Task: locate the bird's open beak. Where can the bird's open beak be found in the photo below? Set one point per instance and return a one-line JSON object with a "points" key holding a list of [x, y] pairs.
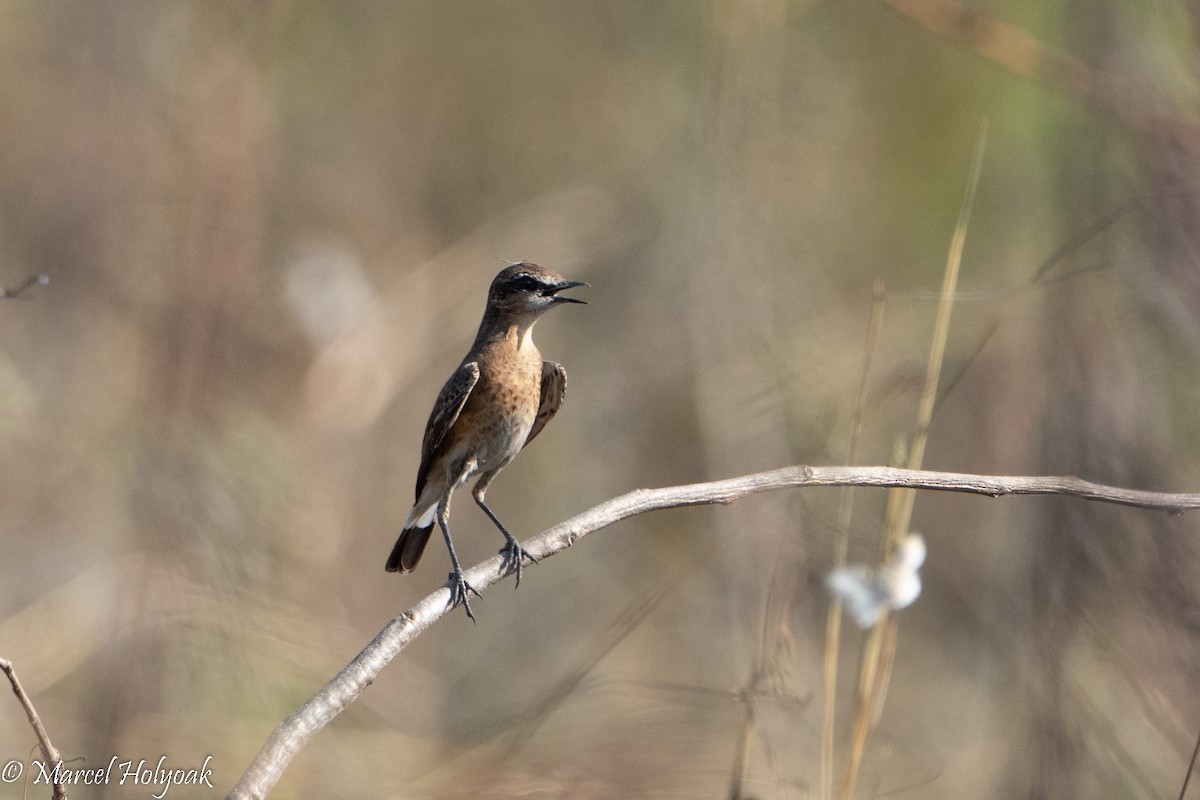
{"points": [[567, 285]]}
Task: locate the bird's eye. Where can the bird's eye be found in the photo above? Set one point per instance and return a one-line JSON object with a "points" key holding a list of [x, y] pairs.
{"points": [[526, 283]]}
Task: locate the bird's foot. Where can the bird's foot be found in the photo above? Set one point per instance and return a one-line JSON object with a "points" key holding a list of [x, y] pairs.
{"points": [[514, 557], [460, 590]]}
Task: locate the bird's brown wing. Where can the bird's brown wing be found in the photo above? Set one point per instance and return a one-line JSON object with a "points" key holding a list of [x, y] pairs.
{"points": [[449, 405], [554, 389]]}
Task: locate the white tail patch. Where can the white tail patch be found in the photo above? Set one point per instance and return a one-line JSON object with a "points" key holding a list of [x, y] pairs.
{"points": [[419, 519], [422, 516]]}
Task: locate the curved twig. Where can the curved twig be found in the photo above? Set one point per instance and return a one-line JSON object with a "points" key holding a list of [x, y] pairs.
{"points": [[49, 752], [267, 767], [20, 289]]}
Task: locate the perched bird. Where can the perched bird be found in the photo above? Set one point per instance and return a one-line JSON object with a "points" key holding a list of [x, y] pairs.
{"points": [[494, 404]]}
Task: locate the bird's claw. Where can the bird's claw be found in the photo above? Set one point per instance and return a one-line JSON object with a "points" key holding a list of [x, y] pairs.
{"points": [[514, 556], [460, 590]]}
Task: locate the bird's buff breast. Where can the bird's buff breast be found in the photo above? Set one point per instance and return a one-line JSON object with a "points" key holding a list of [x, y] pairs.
{"points": [[501, 412]]}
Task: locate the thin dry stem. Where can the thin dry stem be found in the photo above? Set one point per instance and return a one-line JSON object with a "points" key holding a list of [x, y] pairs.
{"points": [[873, 680], [1017, 51], [941, 335], [833, 619], [25, 285], [49, 752], [1190, 769]]}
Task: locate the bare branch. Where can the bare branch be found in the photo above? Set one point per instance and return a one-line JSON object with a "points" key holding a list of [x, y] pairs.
{"points": [[49, 753], [267, 767], [24, 286], [1026, 56]]}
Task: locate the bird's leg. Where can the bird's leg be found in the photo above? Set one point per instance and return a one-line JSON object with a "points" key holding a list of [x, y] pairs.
{"points": [[459, 588], [512, 551]]}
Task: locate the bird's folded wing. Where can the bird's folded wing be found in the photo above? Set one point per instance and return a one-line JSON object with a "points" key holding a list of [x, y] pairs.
{"points": [[449, 405], [554, 389]]}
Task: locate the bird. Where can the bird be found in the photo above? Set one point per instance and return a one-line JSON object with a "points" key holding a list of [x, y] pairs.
{"points": [[497, 402]]}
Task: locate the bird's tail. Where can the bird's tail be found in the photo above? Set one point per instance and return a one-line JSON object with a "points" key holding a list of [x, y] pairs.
{"points": [[408, 549]]}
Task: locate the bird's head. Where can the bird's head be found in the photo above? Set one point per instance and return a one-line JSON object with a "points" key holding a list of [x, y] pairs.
{"points": [[525, 289]]}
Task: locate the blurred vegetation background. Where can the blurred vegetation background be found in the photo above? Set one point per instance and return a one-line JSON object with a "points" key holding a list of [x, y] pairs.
{"points": [[270, 227]]}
